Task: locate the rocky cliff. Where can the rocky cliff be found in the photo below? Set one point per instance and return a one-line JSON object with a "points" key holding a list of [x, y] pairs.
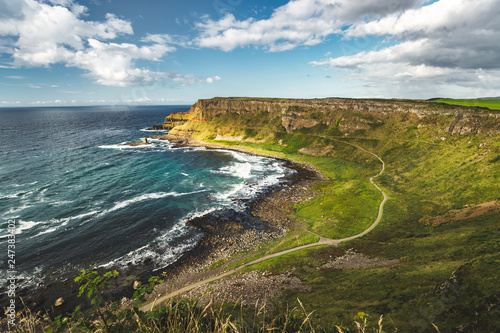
{"points": [[351, 115]]}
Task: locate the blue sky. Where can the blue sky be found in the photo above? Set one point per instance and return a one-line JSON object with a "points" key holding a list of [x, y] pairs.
{"points": [[106, 52]]}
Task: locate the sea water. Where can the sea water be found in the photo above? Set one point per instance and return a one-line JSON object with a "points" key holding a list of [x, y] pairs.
{"points": [[79, 198]]}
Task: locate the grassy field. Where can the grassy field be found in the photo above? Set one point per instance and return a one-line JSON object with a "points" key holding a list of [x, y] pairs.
{"points": [[485, 103], [445, 274]]}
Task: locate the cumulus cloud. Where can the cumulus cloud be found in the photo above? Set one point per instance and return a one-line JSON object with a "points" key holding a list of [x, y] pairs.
{"points": [[298, 23], [447, 33], [46, 33], [443, 42], [447, 43], [211, 80]]}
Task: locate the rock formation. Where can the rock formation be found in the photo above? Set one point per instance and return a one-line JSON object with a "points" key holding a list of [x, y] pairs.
{"points": [[350, 115]]}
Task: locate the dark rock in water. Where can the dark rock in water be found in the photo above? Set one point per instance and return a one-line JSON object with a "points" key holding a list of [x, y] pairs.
{"points": [[157, 127]]}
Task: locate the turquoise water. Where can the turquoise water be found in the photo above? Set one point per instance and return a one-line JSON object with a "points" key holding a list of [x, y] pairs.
{"points": [[78, 198]]}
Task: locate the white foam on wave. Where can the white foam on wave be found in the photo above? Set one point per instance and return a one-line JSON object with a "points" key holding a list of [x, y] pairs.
{"points": [[22, 185], [14, 210], [158, 144], [10, 196], [48, 231], [50, 225], [23, 194], [259, 172], [25, 225], [246, 157], [124, 146], [239, 170], [148, 196], [165, 249], [59, 223], [154, 130], [246, 191], [61, 203]]}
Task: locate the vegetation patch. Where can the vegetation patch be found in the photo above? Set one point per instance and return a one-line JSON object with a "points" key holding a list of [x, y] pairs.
{"points": [[484, 103]]}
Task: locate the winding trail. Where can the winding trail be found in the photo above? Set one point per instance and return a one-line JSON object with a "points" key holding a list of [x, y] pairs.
{"points": [[322, 241]]}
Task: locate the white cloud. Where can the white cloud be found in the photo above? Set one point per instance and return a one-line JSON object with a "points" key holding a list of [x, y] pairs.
{"points": [[139, 100], [449, 43], [433, 44], [184, 80], [298, 23], [111, 64], [54, 102], [56, 32], [211, 80]]}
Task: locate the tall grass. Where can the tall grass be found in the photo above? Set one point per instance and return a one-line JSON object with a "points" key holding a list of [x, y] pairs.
{"points": [[185, 316]]}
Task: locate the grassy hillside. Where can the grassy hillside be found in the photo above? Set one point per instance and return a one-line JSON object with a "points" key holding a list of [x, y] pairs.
{"points": [[485, 103], [446, 274], [433, 259]]}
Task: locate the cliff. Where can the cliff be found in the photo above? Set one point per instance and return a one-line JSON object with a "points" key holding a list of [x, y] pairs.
{"points": [[351, 115], [173, 120]]}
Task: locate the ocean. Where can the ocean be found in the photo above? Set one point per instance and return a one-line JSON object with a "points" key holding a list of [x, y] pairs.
{"points": [[79, 199]]}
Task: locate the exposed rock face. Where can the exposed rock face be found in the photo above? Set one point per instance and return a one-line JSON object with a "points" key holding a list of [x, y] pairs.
{"points": [[350, 115], [290, 123], [228, 138]]}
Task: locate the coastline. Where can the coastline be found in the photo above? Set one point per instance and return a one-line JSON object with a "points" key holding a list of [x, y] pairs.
{"points": [[225, 235], [226, 232]]}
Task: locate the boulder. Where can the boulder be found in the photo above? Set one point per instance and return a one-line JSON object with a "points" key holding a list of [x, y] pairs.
{"points": [[59, 301]]}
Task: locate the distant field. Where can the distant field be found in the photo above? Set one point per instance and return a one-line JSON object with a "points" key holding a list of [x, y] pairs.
{"points": [[486, 103]]}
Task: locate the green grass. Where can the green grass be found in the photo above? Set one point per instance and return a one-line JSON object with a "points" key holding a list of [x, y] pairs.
{"points": [[335, 214], [294, 238], [485, 103], [406, 290], [428, 172]]}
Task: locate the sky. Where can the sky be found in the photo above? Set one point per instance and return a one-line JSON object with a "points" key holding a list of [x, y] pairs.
{"points": [[162, 52]]}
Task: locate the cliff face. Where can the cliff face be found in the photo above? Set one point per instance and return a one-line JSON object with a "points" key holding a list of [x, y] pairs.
{"points": [[350, 115]]}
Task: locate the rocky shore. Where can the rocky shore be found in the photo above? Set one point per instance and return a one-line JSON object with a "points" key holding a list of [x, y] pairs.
{"points": [[226, 232]]}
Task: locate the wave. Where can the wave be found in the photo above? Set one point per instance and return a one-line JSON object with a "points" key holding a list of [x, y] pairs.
{"points": [[166, 248], [124, 146], [149, 196], [22, 226], [247, 191], [21, 185], [239, 170], [153, 130], [14, 210], [24, 194], [55, 224]]}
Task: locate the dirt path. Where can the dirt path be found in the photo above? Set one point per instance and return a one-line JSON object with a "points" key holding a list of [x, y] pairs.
{"points": [[322, 241]]}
